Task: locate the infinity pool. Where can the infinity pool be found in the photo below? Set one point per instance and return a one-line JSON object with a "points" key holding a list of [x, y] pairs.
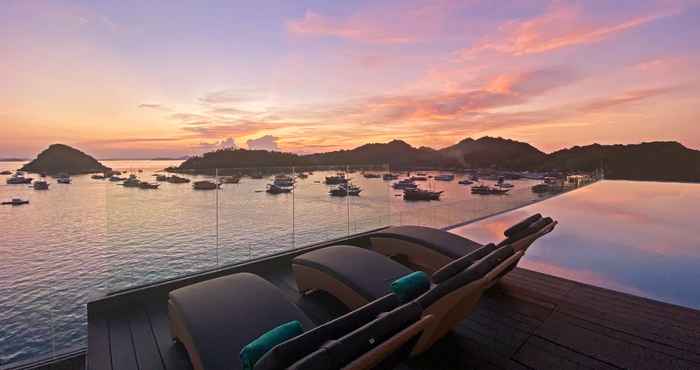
{"points": [[641, 238]]}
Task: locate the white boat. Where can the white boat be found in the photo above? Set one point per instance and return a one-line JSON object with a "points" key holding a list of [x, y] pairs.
{"points": [[63, 179]]}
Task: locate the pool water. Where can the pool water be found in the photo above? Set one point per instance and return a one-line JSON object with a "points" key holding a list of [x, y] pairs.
{"points": [[641, 238]]}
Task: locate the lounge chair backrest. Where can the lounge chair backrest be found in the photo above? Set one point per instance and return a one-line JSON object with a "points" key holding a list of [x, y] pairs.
{"points": [[338, 353], [533, 228], [456, 266], [287, 353]]}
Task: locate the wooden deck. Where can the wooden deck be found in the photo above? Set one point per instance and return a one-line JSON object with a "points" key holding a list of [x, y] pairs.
{"points": [[529, 321]]}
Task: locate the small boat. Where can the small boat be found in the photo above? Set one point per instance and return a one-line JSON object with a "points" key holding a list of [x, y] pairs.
{"points": [[420, 194], [6, 173], [345, 190], [421, 174], [541, 188], [131, 182], [445, 177], [276, 189], [302, 175], [97, 177], [404, 184], [147, 185], [369, 175], [488, 190], [336, 180], [174, 179], [465, 182], [230, 180], [283, 181], [205, 185], [389, 177], [502, 184], [161, 178], [17, 178], [15, 202], [63, 180], [114, 178], [419, 178], [41, 185]]}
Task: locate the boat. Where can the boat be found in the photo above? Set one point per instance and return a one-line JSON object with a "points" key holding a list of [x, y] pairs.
{"points": [[420, 194], [97, 177], [230, 180], [276, 189], [63, 180], [161, 178], [465, 182], [131, 182], [147, 185], [541, 188], [15, 202], [114, 178], [283, 181], [336, 180], [502, 184], [41, 185], [404, 184], [344, 190], [488, 190], [204, 185], [445, 177], [302, 175], [6, 173], [369, 175], [174, 179], [419, 178], [421, 174], [389, 177], [18, 178]]}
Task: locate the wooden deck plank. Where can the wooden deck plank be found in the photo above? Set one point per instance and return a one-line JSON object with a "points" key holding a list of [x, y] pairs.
{"points": [[147, 353], [121, 344], [99, 356], [538, 353], [173, 355]]}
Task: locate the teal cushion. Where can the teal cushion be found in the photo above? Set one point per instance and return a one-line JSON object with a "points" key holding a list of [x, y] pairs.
{"points": [[411, 286], [251, 353]]}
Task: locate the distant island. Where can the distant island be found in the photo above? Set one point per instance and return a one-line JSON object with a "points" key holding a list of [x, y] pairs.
{"points": [[658, 161], [13, 159], [60, 158]]}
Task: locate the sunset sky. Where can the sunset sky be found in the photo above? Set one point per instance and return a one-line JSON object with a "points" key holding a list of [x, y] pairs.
{"points": [[135, 79]]}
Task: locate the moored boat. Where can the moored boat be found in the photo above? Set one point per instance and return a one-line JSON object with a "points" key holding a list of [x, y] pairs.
{"points": [[465, 182], [336, 180], [41, 185], [63, 180], [161, 178], [147, 185], [115, 178], [15, 202], [174, 179], [131, 182], [445, 177], [421, 194], [404, 184], [18, 178], [345, 190], [389, 177], [419, 178], [205, 185], [501, 183], [369, 175], [97, 177], [230, 180], [487, 190], [283, 181], [6, 173], [276, 189]]}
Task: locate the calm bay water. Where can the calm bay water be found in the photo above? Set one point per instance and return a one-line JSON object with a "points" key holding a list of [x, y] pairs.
{"points": [[75, 242], [636, 237]]}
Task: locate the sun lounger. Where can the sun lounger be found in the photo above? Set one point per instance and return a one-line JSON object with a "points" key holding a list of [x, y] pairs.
{"points": [[429, 249], [217, 318], [357, 275]]}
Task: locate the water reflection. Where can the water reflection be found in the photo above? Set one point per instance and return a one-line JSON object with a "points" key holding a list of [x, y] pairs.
{"points": [[635, 237]]}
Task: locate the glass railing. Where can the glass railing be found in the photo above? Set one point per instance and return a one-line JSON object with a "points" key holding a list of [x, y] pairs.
{"points": [[110, 236]]}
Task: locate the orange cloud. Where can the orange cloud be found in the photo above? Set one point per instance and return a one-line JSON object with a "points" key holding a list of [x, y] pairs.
{"points": [[562, 26]]}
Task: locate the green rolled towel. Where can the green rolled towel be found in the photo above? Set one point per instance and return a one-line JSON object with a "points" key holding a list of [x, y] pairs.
{"points": [[253, 351], [411, 286]]}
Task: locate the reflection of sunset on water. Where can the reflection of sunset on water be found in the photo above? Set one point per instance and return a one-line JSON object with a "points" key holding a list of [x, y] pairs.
{"points": [[635, 237]]}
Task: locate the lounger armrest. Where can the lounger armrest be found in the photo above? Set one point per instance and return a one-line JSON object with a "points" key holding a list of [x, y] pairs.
{"points": [[496, 272], [375, 356]]}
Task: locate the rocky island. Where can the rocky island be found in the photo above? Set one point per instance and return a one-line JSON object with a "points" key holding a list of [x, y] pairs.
{"points": [[60, 158]]}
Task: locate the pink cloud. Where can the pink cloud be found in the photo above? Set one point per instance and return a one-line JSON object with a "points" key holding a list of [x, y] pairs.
{"points": [[561, 26], [314, 24]]}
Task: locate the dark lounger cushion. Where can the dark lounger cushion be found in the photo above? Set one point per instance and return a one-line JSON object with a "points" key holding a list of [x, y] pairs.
{"points": [[522, 225], [338, 353], [224, 314], [294, 349], [411, 286], [253, 351], [366, 272], [446, 243], [471, 274], [454, 267], [531, 229]]}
